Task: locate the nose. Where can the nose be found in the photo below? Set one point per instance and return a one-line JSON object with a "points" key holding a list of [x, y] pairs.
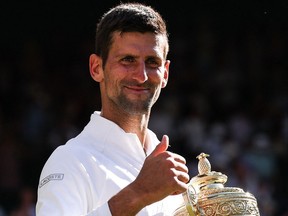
{"points": [[140, 73]]}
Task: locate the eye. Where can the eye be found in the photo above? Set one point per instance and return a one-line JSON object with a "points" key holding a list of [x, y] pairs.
{"points": [[128, 59], [153, 62]]}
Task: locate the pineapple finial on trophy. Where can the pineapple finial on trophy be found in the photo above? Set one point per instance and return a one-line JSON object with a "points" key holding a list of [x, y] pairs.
{"points": [[204, 166]]}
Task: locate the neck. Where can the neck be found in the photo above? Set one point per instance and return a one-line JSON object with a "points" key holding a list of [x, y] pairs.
{"points": [[130, 123]]}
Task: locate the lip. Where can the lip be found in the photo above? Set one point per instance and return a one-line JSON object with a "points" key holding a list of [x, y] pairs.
{"points": [[137, 89]]}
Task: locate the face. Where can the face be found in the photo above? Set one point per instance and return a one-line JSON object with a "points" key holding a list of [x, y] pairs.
{"points": [[134, 73]]}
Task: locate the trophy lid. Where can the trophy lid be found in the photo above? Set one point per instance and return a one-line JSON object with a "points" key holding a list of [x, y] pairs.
{"points": [[207, 178]]}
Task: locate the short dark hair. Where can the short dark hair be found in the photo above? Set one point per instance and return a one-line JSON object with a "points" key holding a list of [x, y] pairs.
{"points": [[128, 17]]}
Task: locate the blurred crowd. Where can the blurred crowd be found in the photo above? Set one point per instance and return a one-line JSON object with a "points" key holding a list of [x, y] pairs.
{"points": [[227, 94]]}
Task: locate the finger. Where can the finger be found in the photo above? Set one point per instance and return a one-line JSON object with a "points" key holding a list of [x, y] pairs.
{"points": [[182, 187], [183, 177], [179, 158], [181, 167], [162, 146]]}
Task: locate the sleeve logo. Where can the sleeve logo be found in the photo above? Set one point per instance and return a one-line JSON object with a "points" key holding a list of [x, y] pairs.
{"points": [[51, 177]]}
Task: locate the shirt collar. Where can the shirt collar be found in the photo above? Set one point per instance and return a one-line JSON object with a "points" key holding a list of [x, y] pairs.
{"points": [[110, 137]]}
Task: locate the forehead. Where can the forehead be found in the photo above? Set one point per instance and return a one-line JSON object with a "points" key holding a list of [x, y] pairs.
{"points": [[140, 42]]}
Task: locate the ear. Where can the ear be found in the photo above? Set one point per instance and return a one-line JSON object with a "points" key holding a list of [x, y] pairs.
{"points": [[166, 74], [95, 66]]}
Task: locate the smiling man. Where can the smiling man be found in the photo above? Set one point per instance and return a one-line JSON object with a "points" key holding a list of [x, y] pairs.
{"points": [[116, 165]]}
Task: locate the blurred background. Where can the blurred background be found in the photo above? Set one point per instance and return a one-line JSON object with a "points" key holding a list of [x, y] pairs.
{"points": [[227, 93]]}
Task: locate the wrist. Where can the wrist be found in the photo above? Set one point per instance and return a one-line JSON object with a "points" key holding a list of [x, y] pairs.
{"points": [[127, 202]]}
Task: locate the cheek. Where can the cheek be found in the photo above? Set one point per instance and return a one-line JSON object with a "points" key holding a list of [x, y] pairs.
{"points": [[157, 94], [111, 84], [160, 78]]}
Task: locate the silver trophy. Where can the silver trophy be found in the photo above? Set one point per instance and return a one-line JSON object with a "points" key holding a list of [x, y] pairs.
{"points": [[207, 196]]}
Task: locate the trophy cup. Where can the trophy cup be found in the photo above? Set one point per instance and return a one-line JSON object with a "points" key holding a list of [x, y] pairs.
{"points": [[207, 196]]}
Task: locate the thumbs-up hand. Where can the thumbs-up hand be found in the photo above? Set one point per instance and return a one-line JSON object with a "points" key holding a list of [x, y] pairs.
{"points": [[163, 173]]}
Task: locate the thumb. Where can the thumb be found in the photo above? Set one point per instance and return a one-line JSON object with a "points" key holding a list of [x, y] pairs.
{"points": [[162, 146]]}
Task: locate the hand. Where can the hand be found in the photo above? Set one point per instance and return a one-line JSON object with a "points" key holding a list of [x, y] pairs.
{"points": [[163, 173]]}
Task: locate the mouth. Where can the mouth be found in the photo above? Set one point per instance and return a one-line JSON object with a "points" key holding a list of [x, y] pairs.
{"points": [[137, 89]]}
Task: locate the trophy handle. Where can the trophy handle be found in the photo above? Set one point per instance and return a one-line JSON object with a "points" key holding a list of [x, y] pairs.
{"points": [[191, 201]]}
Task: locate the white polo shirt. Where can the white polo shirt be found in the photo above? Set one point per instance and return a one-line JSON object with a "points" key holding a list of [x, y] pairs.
{"points": [[81, 176]]}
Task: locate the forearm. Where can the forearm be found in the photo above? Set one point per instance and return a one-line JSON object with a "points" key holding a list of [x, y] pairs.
{"points": [[127, 202]]}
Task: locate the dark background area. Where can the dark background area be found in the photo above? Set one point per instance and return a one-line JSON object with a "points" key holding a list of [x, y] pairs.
{"points": [[227, 92]]}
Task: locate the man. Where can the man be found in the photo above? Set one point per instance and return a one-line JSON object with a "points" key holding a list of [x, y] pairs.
{"points": [[116, 165]]}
